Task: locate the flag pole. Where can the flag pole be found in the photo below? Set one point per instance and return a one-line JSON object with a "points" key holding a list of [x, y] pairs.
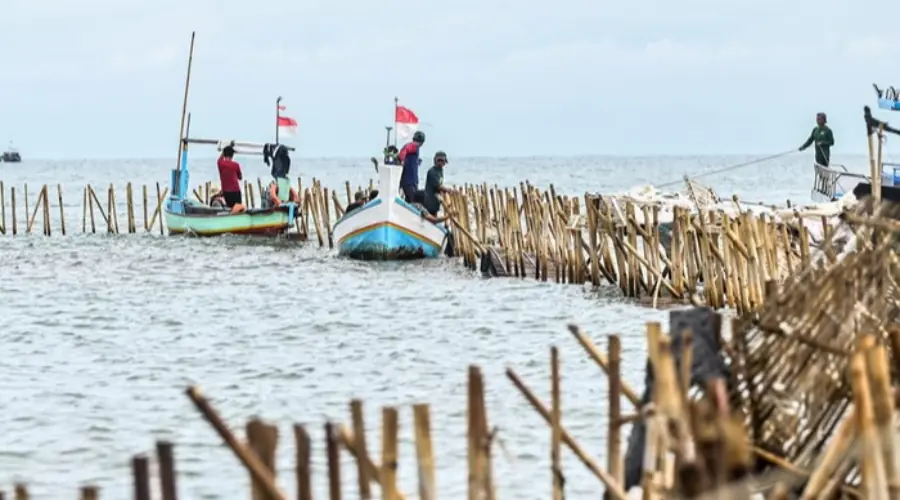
{"points": [[277, 117], [396, 104]]}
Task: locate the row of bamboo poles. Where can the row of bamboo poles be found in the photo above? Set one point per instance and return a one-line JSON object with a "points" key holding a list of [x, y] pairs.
{"points": [[694, 445], [257, 454], [141, 211], [706, 255], [718, 258]]}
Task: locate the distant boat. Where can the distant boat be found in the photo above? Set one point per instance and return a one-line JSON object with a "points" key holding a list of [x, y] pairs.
{"points": [[11, 155]]}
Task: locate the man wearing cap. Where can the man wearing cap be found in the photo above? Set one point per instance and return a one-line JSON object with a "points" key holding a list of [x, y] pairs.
{"points": [[434, 184], [823, 138]]}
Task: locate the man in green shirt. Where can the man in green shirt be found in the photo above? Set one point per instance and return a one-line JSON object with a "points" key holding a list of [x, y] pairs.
{"points": [[822, 136]]}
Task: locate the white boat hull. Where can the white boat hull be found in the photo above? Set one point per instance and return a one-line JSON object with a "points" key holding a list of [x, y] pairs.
{"points": [[388, 228]]}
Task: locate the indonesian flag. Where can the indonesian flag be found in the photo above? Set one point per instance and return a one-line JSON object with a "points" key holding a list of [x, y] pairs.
{"points": [[287, 126], [406, 124]]}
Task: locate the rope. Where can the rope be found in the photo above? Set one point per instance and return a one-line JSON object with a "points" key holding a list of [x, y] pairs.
{"points": [[732, 167]]}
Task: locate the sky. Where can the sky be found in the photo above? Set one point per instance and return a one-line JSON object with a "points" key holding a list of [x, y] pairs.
{"points": [[105, 79]]}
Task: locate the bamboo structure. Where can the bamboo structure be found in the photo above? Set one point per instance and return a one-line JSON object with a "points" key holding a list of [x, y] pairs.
{"points": [[654, 253], [257, 454], [799, 400]]}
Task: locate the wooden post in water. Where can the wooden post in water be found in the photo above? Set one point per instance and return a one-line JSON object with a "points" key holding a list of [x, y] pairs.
{"points": [[424, 452], [140, 469], [304, 459], [389, 425], [167, 479], [556, 426], [2, 208], [62, 215], [361, 449], [334, 462], [263, 440]]}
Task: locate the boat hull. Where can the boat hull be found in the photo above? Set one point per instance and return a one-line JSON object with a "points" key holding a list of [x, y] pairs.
{"points": [[388, 241], [388, 228], [260, 223]]}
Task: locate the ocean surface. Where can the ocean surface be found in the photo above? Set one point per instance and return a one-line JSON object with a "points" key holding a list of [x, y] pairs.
{"points": [[101, 334]]}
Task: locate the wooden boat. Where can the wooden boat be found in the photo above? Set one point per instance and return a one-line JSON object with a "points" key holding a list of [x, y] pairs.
{"points": [[11, 155], [184, 215], [389, 228]]}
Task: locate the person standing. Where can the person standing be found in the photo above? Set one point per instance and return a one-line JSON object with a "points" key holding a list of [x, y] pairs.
{"points": [[434, 184], [230, 177], [409, 158], [823, 138]]}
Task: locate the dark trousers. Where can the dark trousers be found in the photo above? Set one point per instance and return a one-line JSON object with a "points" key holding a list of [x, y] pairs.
{"points": [[412, 195], [232, 198]]}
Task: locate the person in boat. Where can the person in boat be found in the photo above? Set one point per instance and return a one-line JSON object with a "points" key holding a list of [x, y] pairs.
{"points": [[230, 177], [217, 200], [390, 155], [409, 158], [434, 184], [823, 138], [359, 199], [279, 190], [373, 194]]}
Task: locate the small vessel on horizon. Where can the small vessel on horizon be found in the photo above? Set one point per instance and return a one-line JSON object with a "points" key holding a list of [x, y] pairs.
{"points": [[11, 155]]}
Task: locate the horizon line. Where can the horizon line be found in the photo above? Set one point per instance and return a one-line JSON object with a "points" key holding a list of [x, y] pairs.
{"points": [[468, 157]]}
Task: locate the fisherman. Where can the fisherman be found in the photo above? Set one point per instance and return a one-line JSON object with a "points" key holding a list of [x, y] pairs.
{"points": [[230, 176], [434, 184], [359, 199], [823, 138], [279, 190], [216, 198], [409, 158]]}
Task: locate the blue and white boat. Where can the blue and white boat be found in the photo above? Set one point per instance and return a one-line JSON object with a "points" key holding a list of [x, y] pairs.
{"points": [[389, 228]]}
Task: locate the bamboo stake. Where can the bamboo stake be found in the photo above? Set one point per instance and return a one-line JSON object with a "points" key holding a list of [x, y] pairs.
{"points": [[250, 460], [165, 459], [556, 429], [62, 215], [424, 453], [334, 462], [359, 431], [613, 487], [389, 453], [304, 483]]}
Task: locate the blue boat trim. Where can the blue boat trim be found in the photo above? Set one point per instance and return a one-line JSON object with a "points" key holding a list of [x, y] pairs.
{"points": [[888, 104], [385, 241]]}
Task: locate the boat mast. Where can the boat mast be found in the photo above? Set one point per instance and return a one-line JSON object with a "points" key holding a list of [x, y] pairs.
{"points": [[187, 85]]}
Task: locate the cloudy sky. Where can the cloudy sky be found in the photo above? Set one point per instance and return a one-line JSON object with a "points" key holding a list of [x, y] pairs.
{"points": [[103, 78]]}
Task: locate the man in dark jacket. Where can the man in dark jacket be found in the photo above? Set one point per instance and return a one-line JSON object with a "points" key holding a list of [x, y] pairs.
{"points": [[823, 138], [434, 184]]}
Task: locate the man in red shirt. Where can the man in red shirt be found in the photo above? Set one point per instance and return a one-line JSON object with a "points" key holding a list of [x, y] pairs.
{"points": [[230, 177]]}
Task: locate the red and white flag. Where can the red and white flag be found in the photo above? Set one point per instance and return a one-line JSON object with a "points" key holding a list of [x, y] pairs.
{"points": [[287, 126], [406, 123]]}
